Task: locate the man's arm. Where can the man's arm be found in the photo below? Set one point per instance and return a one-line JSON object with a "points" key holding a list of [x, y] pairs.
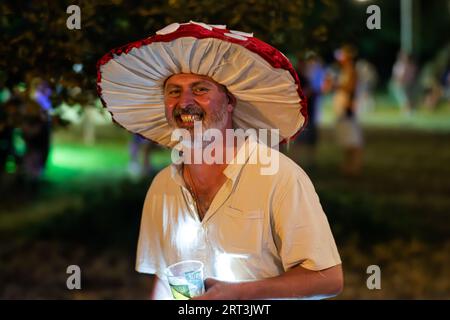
{"points": [[159, 290], [295, 283]]}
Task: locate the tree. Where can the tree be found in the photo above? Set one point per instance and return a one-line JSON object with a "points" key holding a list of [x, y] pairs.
{"points": [[40, 44]]}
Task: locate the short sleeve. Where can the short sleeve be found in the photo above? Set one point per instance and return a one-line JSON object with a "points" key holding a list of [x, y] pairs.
{"points": [[149, 252], [301, 230]]}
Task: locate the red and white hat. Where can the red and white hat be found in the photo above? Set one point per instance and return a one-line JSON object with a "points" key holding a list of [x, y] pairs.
{"points": [[130, 79]]}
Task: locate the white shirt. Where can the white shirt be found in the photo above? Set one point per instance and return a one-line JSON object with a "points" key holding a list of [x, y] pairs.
{"points": [[257, 226]]}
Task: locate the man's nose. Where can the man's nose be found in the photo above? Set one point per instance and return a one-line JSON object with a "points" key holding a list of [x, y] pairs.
{"points": [[186, 99]]}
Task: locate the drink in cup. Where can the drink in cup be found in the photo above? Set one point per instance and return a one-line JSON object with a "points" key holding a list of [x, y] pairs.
{"points": [[186, 279]]}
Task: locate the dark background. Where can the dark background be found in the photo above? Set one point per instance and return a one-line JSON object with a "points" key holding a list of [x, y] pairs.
{"points": [[85, 209]]}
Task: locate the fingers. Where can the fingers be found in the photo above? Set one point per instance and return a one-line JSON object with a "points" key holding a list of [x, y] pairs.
{"points": [[209, 282]]}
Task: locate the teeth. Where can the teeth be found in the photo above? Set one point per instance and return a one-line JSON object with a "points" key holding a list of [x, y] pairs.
{"points": [[189, 118]]}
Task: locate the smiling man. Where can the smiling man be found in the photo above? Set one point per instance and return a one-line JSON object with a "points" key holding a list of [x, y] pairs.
{"points": [[190, 98], [259, 236]]}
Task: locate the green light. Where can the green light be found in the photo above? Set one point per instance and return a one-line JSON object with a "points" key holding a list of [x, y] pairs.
{"points": [[75, 160], [10, 166]]}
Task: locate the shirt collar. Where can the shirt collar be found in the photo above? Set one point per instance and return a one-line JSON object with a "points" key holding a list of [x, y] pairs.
{"points": [[234, 168]]}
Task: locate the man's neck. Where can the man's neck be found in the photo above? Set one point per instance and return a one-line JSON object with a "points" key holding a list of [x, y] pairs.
{"points": [[207, 174], [208, 171]]}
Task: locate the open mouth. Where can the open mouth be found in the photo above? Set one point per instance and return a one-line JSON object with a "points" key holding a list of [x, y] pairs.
{"points": [[187, 120]]}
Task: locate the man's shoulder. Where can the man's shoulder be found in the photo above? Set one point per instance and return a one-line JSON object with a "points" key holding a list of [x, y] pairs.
{"points": [[284, 166], [161, 180], [163, 174], [288, 163]]}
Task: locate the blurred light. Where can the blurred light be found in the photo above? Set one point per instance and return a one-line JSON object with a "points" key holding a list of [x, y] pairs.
{"points": [[19, 143], [187, 234], [406, 22], [74, 91], [10, 166], [5, 95], [223, 265], [22, 87], [77, 67], [70, 113]]}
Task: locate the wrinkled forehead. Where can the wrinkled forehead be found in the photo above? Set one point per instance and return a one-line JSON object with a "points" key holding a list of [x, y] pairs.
{"points": [[190, 78]]}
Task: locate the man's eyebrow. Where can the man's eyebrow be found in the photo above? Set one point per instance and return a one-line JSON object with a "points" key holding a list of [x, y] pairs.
{"points": [[197, 83], [171, 85], [202, 82]]}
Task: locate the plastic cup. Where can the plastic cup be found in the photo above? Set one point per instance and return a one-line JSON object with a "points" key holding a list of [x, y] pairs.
{"points": [[186, 279]]}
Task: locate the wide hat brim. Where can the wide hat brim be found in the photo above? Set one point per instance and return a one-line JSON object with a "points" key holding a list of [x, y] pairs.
{"points": [[268, 95]]}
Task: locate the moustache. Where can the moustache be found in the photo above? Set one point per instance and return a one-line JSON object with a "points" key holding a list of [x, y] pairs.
{"points": [[190, 110]]}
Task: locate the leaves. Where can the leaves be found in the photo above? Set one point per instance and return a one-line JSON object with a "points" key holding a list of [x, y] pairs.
{"points": [[40, 43]]}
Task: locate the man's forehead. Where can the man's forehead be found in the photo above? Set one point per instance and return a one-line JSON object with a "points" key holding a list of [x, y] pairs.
{"points": [[189, 78]]}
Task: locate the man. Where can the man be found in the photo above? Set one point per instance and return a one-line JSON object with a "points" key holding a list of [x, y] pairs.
{"points": [[348, 131], [259, 236]]}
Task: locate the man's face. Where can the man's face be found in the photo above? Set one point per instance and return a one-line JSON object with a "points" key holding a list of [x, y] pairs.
{"points": [[190, 97]]}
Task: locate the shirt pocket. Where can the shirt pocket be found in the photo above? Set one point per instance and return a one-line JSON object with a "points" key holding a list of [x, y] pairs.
{"points": [[241, 231]]}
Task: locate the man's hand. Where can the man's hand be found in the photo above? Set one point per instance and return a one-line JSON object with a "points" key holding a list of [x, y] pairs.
{"points": [[296, 283], [220, 290]]}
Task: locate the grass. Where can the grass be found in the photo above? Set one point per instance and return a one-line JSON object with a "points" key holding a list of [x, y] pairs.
{"points": [[386, 114], [87, 212]]}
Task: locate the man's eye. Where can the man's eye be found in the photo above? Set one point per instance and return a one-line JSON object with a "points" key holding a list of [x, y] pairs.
{"points": [[201, 90], [173, 92]]}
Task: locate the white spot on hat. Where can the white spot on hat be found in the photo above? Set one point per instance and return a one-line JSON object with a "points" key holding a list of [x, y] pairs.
{"points": [[169, 29], [236, 36], [218, 26], [201, 24], [241, 33]]}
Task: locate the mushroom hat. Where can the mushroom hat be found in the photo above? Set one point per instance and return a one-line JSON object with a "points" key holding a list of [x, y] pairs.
{"points": [[130, 79]]}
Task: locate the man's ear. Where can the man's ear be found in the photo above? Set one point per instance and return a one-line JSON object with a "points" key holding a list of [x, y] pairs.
{"points": [[231, 101]]}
